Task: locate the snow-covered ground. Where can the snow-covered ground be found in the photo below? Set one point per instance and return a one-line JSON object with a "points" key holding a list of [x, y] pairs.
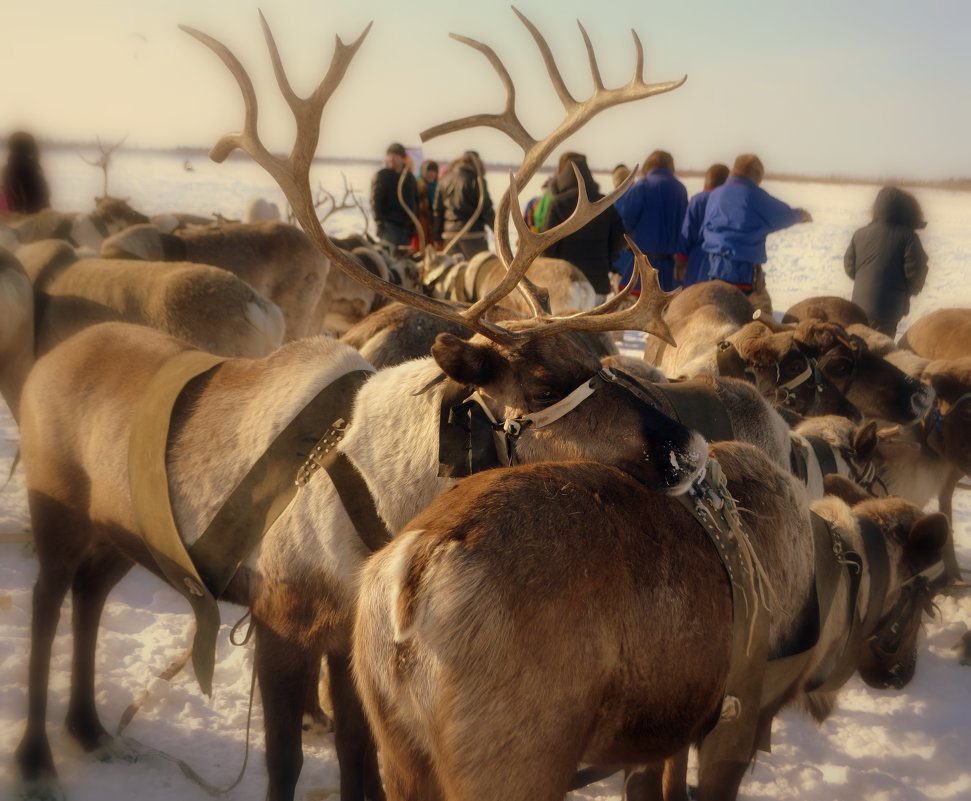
{"points": [[878, 746]]}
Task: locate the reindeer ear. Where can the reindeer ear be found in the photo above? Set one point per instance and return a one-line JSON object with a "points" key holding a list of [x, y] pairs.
{"points": [[843, 488], [865, 440], [465, 362], [928, 535]]}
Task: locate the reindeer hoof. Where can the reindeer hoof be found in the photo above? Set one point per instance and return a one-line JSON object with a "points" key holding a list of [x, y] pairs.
{"points": [[317, 725], [47, 789], [114, 749]]}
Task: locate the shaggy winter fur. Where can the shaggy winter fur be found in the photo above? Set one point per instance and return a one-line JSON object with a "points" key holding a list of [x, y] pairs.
{"points": [[504, 637], [274, 258], [828, 307], [942, 334], [207, 307]]}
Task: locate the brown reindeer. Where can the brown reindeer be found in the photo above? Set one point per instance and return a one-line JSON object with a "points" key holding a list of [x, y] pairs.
{"points": [[549, 399], [828, 307], [209, 308], [942, 334], [813, 367], [536, 618]]}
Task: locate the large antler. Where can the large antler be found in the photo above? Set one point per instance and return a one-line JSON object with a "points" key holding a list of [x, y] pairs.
{"points": [[537, 151], [292, 174]]}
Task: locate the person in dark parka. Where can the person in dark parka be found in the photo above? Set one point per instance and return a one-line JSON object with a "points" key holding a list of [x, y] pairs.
{"points": [[456, 201], [24, 184], [393, 221], [886, 260], [594, 247]]}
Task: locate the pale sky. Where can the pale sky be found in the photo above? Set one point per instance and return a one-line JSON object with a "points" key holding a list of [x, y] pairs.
{"points": [[868, 88]]}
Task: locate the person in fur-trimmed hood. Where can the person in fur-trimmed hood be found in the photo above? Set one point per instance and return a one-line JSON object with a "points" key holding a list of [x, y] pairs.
{"points": [[886, 260], [594, 247]]}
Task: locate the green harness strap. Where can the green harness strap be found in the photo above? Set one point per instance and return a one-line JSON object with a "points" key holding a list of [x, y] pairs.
{"points": [[152, 506]]}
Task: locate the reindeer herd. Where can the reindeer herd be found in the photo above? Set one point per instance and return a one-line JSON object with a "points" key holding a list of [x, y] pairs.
{"points": [[570, 604]]}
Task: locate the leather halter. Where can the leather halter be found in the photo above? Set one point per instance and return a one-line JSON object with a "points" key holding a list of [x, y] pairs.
{"points": [[462, 449]]}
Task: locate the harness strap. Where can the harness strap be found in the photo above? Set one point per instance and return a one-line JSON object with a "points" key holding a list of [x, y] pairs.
{"points": [[695, 405], [824, 455], [783, 672], [269, 486], [151, 503], [350, 485], [733, 736]]}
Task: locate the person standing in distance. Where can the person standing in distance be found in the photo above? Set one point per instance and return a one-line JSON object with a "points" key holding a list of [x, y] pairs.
{"points": [[739, 216], [886, 260], [652, 211], [394, 224]]}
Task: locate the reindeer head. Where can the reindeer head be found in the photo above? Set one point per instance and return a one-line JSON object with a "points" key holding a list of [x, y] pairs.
{"points": [[783, 372], [914, 542], [550, 396], [872, 384], [949, 423]]}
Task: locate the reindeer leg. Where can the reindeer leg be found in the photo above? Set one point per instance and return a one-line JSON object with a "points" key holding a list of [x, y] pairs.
{"points": [[58, 562], [675, 780], [643, 783], [356, 751], [720, 781], [945, 504], [93, 581], [284, 669]]}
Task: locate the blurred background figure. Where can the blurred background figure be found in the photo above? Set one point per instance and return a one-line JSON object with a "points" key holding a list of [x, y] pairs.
{"points": [[24, 186], [886, 260], [426, 186], [594, 247], [691, 261], [456, 201], [619, 174], [653, 210], [393, 223], [738, 218]]}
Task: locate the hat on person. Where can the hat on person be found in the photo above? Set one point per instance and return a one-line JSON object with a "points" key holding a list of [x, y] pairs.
{"points": [[397, 148]]}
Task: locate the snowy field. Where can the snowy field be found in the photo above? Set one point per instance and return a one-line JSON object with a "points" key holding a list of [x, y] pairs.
{"points": [[878, 746]]}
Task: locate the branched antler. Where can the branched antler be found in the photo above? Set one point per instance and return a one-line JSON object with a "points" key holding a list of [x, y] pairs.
{"points": [[291, 174], [536, 151]]}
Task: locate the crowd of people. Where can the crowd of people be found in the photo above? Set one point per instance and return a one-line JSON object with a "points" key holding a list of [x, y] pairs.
{"points": [[718, 234]]}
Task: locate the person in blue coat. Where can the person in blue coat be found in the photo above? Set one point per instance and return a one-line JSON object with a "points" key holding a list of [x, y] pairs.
{"points": [[739, 216], [652, 211], [691, 261]]}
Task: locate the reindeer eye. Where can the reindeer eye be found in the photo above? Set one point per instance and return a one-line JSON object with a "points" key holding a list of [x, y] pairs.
{"points": [[546, 397], [840, 367]]}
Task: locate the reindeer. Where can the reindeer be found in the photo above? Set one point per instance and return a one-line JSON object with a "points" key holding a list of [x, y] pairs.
{"points": [[828, 307], [538, 617], [110, 216], [209, 308], [299, 583], [813, 367], [942, 334]]}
